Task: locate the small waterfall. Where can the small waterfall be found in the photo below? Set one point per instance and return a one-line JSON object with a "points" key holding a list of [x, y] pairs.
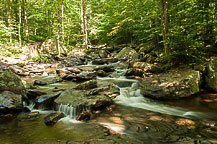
{"points": [[131, 96], [68, 110], [30, 106]]}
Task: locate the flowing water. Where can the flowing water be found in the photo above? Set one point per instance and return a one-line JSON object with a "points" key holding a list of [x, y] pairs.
{"points": [[132, 119]]}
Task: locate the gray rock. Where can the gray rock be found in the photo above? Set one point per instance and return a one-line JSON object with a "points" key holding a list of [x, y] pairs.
{"points": [[127, 52], [53, 118], [10, 102], [211, 74], [10, 82], [68, 73], [172, 85], [84, 76], [87, 85], [46, 101], [104, 61], [47, 81]]}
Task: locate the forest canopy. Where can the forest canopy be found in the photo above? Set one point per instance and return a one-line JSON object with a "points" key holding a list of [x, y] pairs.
{"points": [[174, 28]]}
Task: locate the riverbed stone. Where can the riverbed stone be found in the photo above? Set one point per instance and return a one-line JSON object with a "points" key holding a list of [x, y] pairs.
{"points": [[175, 84], [47, 81], [211, 74], [84, 76], [46, 101], [87, 85], [10, 102], [127, 52], [104, 61], [10, 82], [94, 99], [53, 118]]}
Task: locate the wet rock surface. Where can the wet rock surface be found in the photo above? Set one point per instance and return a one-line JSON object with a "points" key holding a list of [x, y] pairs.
{"points": [[47, 81], [92, 101], [53, 118], [10, 103], [172, 85]]}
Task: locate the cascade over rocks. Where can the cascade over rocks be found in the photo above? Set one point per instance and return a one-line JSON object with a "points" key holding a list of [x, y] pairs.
{"points": [[171, 85], [98, 97], [211, 74]]}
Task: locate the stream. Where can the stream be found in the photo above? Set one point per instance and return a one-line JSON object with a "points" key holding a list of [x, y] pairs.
{"points": [[131, 119]]}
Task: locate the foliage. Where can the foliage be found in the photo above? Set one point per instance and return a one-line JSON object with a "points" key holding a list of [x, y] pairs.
{"points": [[191, 26], [41, 58]]}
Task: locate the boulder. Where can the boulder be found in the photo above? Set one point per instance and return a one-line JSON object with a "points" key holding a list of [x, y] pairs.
{"points": [[72, 61], [81, 100], [10, 82], [84, 76], [105, 68], [171, 85], [46, 101], [134, 72], [66, 72], [102, 73], [211, 74], [87, 85], [47, 81], [127, 52], [10, 102], [104, 61], [53, 118]]}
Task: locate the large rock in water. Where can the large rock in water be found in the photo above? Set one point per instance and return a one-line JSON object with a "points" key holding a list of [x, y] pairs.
{"points": [[211, 74], [82, 103], [10, 82], [172, 85], [127, 53], [10, 102]]}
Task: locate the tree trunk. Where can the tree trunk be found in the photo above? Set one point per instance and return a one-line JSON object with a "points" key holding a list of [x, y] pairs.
{"points": [[19, 26], [84, 23], [164, 23], [58, 28], [9, 15], [26, 28], [63, 40]]}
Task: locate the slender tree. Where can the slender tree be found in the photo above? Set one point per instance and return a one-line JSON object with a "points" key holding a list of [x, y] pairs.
{"points": [[9, 15], [63, 40], [84, 23], [58, 28], [26, 28], [19, 26], [164, 23]]}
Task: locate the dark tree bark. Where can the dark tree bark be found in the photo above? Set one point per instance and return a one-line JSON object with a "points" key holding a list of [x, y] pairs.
{"points": [[164, 23]]}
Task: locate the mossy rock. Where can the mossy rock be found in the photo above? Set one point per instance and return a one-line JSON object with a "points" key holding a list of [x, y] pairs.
{"points": [[11, 82], [211, 74], [172, 85], [127, 52]]}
